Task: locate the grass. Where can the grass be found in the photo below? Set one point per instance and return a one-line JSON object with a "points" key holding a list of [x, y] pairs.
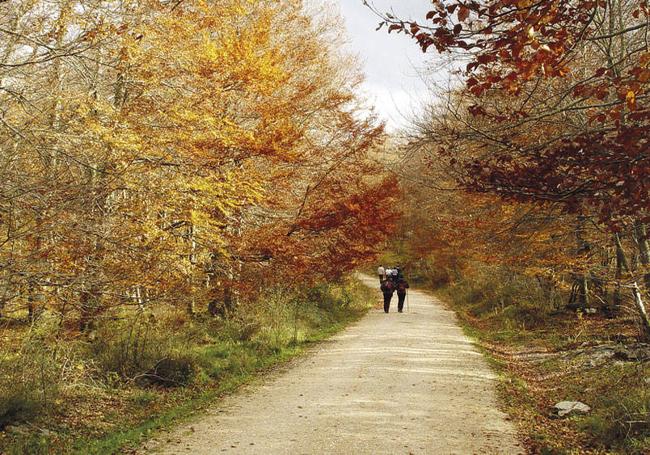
{"points": [[231, 378], [132, 437], [100, 412], [544, 355]]}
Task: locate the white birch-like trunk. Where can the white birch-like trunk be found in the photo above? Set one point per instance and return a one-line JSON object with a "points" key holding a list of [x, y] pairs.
{"points": [[643, 312]]}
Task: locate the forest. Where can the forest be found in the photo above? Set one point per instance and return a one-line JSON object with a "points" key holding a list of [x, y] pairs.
{"points": [[187, 188], [526, 204], [170, 183]]}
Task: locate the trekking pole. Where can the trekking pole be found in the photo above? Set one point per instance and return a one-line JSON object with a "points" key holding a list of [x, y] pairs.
{"points": [[407, 302]]}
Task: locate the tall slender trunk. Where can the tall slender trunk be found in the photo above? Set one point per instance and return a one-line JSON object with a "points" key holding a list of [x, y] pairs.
{"points": [[92, 304], [583, 291], [192, 258], [641, 231], [582, 280], [622, 267], [44, 267], [92, 293], [645, 319]]}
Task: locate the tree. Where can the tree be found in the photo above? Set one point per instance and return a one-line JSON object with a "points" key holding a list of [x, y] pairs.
{"points": [[552, 112], [156, 153], [591, 59]]}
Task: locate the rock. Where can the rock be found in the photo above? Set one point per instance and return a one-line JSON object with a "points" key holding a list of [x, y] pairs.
{"points": [[567, 407]]}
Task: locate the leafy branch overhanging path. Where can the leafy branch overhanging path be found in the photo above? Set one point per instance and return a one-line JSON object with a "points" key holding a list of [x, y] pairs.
{"points": [[390, 384]]}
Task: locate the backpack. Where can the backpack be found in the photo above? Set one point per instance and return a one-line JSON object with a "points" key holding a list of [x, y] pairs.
{"points": [[387, 286], [402, 286]]}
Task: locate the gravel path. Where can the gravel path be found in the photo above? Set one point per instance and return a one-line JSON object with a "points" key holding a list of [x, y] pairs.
{"points": [[390, 384]]}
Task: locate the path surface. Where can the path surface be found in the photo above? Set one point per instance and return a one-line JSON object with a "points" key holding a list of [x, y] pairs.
{"points": [[390, 384]]}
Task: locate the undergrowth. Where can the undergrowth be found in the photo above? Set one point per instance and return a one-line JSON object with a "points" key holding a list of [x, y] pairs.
{"points": [[546, 354], [141, 372]]}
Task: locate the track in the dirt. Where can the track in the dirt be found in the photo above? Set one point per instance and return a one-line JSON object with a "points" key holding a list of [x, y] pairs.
{"points": [[390, 384]]}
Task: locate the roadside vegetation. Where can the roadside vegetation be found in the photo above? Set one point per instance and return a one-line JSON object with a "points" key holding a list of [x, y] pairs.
{"points": [[184, 186], [141, 372], [546, 353], [525, 204]]}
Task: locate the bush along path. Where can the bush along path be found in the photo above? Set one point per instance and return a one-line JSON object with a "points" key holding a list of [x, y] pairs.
{"points": [[572, 382], [407, 383], [156, 369]]}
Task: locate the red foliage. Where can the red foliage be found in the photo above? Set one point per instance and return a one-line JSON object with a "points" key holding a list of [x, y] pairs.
{"points": [[512, 44]]}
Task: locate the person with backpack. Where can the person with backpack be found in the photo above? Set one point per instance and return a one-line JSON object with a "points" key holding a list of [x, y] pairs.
{"points": [[401, 288], [388, 289], [382, 274]]}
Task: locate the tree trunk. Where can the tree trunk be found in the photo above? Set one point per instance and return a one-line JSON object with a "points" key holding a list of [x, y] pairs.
{"points": [[644, 252], [92, 295], [547, 286], [191, 298], [191, 238], [582, 284], [90, 301], [645, 319], [622, 268], [31, 307], [583, 291]]}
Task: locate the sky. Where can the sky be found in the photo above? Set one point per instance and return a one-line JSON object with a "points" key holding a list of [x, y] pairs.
{"points": [[391, 63]]}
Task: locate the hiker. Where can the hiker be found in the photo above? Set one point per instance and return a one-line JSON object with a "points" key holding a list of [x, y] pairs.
{"points": [[401, 287], [387, 288], [382, 274]]}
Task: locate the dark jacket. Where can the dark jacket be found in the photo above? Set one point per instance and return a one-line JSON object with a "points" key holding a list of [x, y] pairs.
{"points": [[402, 286], [387, 287]]}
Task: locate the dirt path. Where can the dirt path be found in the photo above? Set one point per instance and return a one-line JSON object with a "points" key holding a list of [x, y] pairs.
{"points": [[391, 384]]}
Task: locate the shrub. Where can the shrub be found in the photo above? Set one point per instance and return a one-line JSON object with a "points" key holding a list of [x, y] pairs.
{"points": [[128, 348], [241, 325], [16, 405], [525, 314], [500, 295], [30, 378], [179, 370], [141, 349], [322, 296]]}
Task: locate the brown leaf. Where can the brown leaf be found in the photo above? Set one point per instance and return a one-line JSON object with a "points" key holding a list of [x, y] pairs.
{"points": [[463, 13]]}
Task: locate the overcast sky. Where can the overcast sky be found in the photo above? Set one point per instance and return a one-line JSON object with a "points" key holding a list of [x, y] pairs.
{"points": [[391, 62]]}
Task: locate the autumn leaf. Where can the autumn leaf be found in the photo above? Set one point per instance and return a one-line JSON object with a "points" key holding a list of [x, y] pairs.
{"points": [[630, 99], [463, 13]]}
